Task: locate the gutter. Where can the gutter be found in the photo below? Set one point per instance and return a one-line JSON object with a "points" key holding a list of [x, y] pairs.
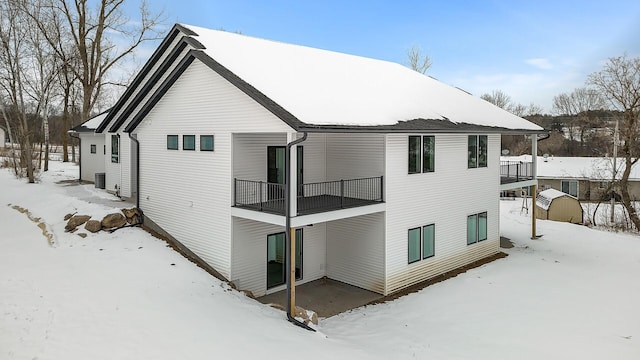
{"points": [[287, 214], [137, 171]]}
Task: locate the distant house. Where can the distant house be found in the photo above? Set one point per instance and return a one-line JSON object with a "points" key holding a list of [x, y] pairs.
{"points": [[92, 147], [396, 174], [558, 206], [586, 178], [2, 138]]}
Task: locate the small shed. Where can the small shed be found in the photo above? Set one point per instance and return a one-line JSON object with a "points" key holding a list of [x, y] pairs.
{"points": [[558, 206]]}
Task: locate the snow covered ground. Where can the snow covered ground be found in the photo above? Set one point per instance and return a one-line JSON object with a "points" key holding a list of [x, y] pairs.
{"points": [[573, 293]]}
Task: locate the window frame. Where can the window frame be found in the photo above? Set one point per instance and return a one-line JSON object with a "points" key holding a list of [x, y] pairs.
{"points": [[202, 142], [115, 150], [569, 182], [299, 249], [477, 151], [184, 143], [421, 243], [418, 152], [93, 149], [479, 232], [177, 142]]}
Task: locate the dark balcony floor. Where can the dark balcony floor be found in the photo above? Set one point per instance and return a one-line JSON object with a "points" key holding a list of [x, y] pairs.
{"points": [[310, 204]]}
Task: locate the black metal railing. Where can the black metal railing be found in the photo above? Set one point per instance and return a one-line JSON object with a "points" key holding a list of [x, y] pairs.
{"points": [[514, 171], [312, 197]]}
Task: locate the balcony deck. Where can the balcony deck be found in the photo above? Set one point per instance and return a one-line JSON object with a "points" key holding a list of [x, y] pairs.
{"points": [[312, 198], [515, 171]]}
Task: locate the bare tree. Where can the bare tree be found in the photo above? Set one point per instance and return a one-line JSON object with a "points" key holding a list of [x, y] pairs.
{"points": [[417, 61], [14, 57], [91, 26], [619, 82], [576, 106], [499, 99]]}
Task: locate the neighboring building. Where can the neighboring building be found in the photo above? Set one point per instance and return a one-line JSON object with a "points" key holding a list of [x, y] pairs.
{"points": [[558, 206], [2, 138], [586, 178], [397, 174], [92, 148]]}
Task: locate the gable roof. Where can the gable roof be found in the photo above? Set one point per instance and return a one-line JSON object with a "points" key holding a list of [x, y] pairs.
{"points": [[317, 90], [91, 124]]}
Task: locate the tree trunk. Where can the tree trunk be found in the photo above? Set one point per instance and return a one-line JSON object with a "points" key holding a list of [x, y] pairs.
{"points": [[626, 198]]}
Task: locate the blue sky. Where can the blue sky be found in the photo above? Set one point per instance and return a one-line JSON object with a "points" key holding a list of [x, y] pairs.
{"points": [[531, 50]]}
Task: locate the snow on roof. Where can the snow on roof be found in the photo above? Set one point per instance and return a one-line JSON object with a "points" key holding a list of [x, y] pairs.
{"points": [[546, 197], [92, 123], [321, 87], [593, 168]]}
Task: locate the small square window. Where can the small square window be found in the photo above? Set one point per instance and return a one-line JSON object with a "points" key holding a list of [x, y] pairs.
{"points": [[188, 142], [93, 148], [172, 142], [206, 142]]}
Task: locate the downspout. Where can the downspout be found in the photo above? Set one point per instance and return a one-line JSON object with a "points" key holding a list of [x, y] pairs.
{"points": [[137, 170], [287, 215], [74, 134]]}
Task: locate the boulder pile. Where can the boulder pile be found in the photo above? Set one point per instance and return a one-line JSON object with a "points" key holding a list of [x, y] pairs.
{"points": [[111, 222]]}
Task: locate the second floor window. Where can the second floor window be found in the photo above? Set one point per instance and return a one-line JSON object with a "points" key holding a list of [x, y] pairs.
{"points": [[422, 157], [477, 151]]}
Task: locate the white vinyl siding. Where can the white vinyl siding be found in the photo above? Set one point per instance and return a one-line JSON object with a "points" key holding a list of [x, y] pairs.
{"points": [[352, 156], [445, 198], [250, 254], [355, 251], [197, 213], [91, 163]]}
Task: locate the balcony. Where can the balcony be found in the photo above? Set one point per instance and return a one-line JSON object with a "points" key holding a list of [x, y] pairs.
{"points": [[515, 171], [312, 198]]}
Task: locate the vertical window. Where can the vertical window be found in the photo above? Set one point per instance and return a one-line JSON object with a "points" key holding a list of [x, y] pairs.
{"points": [[414, 245], [206, 142], [115, 148], [428, 239], [93, 148], [172, 142], [104, 149], [477, 149], [476, 228], [569, 187], [482, 150], [414, 154], [472, 229], [428, 154], [421, 154], [188, 142]]}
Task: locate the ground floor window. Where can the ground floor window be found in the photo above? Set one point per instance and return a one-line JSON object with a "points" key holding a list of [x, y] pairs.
{"points": [[570, 187], [476, 228], [421, 243], [276, 267], [93, 148]]}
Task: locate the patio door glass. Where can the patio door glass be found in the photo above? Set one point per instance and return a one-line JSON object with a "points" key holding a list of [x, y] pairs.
{"points": [[276, 170], [276, 258]]}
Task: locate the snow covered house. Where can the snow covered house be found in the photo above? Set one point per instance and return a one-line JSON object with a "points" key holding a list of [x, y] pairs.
{"points": [[92, 147], [585, 178], [397, 175]]}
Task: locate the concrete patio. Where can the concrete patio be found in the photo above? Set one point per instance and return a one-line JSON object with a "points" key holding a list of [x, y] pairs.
{"points": [[326, 297]]}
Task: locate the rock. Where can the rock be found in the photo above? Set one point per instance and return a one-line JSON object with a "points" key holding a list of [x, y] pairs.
{"points": [[115, 220], [82, 235], [93, 226], [76, 221], [314, 318], [67, 217], [132, 215], [248, 293], [307, 316]]}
